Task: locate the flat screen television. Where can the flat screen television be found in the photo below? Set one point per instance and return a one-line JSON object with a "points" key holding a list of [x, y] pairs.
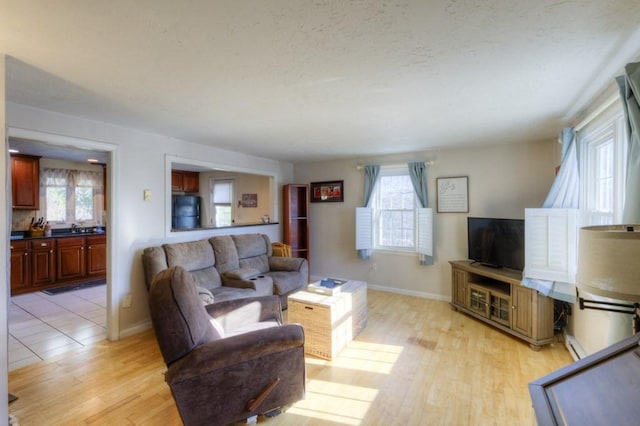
{"points": [[496, 242]]}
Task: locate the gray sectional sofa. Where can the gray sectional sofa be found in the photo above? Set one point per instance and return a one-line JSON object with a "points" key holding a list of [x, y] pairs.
{"points": [[230, 267]]}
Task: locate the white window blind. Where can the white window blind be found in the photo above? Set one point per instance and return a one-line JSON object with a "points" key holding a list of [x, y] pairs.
{"points": [[425, 231], [222, 191], [364, 228], [551, 244]]}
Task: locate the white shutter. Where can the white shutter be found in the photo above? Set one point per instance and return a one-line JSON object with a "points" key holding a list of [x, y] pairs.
{"points": [[364, 228], [551, 244], [425, 231]]}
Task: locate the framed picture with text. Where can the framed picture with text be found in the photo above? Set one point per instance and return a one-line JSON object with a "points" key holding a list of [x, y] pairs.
{"points": [[325, 192], [453, 194]]}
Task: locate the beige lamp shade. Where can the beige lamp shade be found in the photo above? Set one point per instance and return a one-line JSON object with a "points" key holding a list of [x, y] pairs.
{"points": [[609, 261]]}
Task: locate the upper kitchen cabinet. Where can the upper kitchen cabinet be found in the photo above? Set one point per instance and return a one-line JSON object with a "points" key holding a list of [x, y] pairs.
{"points": [[184, 181], [25, 181]]}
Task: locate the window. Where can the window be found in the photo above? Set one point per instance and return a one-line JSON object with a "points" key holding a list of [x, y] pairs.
{"points": [[602, 148], [222, 201], [394, 203], [70, 195], [395, 222]]}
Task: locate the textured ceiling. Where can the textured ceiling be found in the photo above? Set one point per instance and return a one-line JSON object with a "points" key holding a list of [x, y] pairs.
{"points": [[303, 80]]}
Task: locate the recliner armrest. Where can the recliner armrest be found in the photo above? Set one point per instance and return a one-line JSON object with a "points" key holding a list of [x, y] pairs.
{"points": [[286, 263], [235, 350]]}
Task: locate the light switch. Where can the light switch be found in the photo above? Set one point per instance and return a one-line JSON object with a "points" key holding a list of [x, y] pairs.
{"points": [[147, 195]]}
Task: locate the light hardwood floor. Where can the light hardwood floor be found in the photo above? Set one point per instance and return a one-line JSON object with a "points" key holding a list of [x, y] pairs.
{"points": [[416, 363]]}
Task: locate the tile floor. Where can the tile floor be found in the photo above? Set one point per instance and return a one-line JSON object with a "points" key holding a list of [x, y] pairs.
{"points": [[43, 326]]}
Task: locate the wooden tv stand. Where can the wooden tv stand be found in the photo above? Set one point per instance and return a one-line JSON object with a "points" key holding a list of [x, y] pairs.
{"points": [[497, 297]]}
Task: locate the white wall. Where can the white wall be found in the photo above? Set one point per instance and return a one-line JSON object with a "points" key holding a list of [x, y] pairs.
{"points": [[503, 181], [138, 162], [5, 223]]}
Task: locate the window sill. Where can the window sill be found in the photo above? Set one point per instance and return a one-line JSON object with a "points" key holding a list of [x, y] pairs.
{"points": [[395, 252]]}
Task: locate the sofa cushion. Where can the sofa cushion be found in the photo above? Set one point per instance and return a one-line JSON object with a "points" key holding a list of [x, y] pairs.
{"points": [[225, 253], [174, 294], [253, 251], [198, 258], [250, 245]]}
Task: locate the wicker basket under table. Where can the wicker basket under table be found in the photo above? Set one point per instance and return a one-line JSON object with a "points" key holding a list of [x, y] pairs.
{"points": [[329, 322]]}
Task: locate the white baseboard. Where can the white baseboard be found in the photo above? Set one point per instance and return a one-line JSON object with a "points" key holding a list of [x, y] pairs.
{"points": [[395, 290], [420, 294], [135, 329]]}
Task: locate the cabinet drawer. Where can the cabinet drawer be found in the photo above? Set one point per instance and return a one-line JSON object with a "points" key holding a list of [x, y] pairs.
{"points": [[96, 239], [38, 245], [70, 242], [20, 245]]}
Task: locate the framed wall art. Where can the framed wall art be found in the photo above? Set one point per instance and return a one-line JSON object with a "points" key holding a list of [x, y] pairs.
{"points": [[325, 192], [453, 194], [249, 200]]}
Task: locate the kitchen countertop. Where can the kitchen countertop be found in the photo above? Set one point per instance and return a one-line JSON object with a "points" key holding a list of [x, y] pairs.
{"points": [[55, 233]]}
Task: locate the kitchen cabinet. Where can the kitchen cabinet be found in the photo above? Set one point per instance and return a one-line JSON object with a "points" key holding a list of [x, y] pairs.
{"points": [[497, 297], [96, 255], [71, 258], [41, 263], [25, 182], [43, 258], [20, 265], [185, 181]]}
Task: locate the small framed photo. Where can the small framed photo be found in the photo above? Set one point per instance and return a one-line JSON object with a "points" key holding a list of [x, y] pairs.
{"points": [[249, 200], [325, 192], [453, 194]]}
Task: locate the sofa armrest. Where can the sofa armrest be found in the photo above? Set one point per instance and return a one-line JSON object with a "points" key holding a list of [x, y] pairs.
{"points": [[154, 260], [293, 264], [231, 351], [232, 314], [241, 273]]}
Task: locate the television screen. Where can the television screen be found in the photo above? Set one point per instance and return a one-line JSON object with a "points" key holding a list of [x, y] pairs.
{"points": [[496, 242]]}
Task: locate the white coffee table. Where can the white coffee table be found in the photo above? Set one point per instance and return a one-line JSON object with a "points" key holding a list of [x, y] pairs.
{"points": [[329, 322]]}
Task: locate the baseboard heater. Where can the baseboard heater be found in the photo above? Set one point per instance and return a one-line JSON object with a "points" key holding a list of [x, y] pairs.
{"points": [[574, 348]]}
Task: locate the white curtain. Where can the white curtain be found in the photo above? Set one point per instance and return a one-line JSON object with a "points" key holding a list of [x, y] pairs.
{"points": [[629, 85], [72, 179], [564, 194]]}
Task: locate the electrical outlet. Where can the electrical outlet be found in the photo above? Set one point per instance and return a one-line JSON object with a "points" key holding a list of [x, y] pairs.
{"points": [[374, 267], [126, 301]]}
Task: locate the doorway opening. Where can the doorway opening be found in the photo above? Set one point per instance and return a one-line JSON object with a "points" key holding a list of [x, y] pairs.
{"points": [[43, 325]]}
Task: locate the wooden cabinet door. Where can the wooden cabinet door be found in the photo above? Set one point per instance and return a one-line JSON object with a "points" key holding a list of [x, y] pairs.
{"points": [[96, 255], [478, 300], [176, 181], [500, 308], [43, 262], [522, 302], [459, 289], [184, 181], [25, 182], [71, 260], [191, 182], [20, 265]]}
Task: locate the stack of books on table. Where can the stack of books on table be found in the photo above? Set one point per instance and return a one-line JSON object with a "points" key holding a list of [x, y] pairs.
{"points": [[328, 286]]}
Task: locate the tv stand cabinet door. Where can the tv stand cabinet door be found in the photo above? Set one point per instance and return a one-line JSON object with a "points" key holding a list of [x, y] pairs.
{"points": [[479, 298], [522, 307], [459, 287]]}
